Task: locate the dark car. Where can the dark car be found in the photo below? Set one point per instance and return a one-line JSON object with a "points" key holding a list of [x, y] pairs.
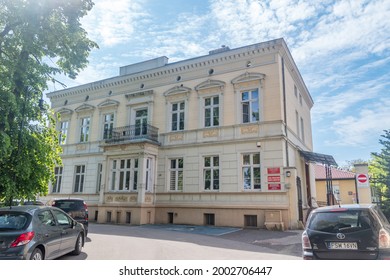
{"points": [[76, 208], [346, 232], [38, 232]]}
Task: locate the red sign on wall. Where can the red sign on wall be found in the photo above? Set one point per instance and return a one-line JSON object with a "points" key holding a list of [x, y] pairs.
{"points": [[273, 179], [273, 170], [274, 187]]}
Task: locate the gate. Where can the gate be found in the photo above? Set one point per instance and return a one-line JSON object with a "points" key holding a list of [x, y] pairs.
{"points": [[299, 191]]}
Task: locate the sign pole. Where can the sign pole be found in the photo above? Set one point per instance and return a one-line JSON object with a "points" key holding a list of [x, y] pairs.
{"points": [[356, 190]]}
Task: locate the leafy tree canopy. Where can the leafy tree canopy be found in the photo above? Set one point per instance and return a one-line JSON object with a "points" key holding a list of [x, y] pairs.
{"points": [[380, 171], [39, 39]]}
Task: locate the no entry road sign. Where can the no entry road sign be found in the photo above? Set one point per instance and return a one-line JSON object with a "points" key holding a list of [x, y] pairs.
{"points": [[362, 180]]}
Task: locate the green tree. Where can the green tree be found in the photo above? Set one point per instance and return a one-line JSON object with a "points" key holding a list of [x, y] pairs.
{"points": [[39, 39], [380, 172]]}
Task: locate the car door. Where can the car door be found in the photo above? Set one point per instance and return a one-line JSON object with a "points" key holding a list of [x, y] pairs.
{"points": [[49, 233], [68, 233]]}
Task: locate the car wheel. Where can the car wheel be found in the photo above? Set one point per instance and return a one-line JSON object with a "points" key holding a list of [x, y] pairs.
{"points": [[79, 245], [37, 255]]}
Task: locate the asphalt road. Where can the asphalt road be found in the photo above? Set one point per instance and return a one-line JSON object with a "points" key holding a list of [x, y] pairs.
{"points": [[176, 242]]}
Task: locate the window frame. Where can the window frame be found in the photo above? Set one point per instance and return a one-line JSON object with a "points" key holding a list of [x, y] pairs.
{"points": [[178, 173], [212, 107], [180, 113], [128, 171], [79, 178], [85, 129], [107, 132], [254, 181], [63, 135], [250, 102], [56, 186], [213, 170]]}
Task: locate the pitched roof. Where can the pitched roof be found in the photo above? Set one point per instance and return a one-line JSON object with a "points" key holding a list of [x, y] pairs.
{"points": [[320, 173]]}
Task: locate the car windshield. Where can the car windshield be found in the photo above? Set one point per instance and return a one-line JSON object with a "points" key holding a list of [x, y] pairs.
{"points": [[13, 221], [349, 221]]}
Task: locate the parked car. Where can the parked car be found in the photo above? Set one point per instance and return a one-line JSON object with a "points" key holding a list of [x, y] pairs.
{"points": [[76, 208], [38, 232], [347, 232], [32, 202]]}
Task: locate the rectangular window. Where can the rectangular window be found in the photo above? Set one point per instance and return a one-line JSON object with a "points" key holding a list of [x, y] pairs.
{"points": [[211, 173], [209, 219], [302, 130], [79, 178], [250, 220], [84, 129], [108, 125], [149, 174], [141, 122], [58, 180], [178, 116], [250, 106], [63, 132], [211, 111], [176, 174], [251, 171], [297, 123], [99, 177], [124, 174]]}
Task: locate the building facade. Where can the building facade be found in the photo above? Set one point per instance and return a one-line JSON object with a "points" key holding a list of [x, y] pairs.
{"points": [[212, 140]]}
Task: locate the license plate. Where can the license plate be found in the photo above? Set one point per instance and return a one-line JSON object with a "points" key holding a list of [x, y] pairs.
{"points": [[343, 245]]}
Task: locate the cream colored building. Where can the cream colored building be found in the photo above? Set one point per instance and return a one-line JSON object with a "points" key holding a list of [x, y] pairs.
{"points": [[212, 140], [345, 188]]}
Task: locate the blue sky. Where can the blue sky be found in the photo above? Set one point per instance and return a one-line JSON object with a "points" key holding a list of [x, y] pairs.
{"points": [[342, 49]]}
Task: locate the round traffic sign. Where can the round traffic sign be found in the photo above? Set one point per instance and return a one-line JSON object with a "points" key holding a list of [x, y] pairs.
{"points": [[362, 178]]}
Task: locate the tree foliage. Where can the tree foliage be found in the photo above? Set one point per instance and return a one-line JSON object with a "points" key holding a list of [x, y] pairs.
{"points": [[380, 171], [39, 39]]}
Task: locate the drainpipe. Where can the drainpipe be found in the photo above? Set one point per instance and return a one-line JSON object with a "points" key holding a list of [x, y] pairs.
{"points": [[285, 111]]}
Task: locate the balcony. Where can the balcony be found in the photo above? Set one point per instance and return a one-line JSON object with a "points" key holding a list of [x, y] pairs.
{"points": [[131, 133]]}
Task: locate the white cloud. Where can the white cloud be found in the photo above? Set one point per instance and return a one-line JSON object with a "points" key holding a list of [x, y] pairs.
{"points": [[114, 22], [355, 130]]}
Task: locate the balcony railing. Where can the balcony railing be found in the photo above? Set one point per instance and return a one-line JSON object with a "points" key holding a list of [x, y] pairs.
{"points": [[131, 132]]}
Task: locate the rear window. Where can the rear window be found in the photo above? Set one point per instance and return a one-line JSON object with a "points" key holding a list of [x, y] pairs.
{"points": [[349, 221], [69, 205], [14, 221]]}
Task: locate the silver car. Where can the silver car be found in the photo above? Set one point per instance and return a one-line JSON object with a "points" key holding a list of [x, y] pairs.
{"points": [[38, 232]]}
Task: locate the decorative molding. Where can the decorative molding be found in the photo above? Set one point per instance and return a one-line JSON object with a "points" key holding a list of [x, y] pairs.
{"points": [[250, 129], [85, 107], [209, 84], [108, 103], [81, 147], [65, 111], [121, 198], [177, 90], [139, 93], [176, 137], [211, 133], [248, 77]]}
